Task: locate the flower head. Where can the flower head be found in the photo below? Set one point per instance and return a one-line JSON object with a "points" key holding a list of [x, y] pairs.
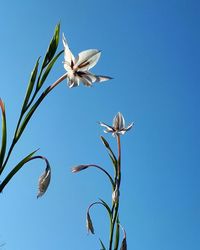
{"points": [[78, 68], [44, 181], [118, 126]]}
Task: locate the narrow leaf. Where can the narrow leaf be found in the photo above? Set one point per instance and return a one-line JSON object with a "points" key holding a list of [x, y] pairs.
{"points": [[48, 69], [30, 84], [4, 133], [15, 170], [111, 154], [102, 245], [107, 208], [52, 47], [29, 114]]}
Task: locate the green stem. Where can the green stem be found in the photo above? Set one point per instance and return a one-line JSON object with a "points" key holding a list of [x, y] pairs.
{"points": [[103, 170], [115, 206]]}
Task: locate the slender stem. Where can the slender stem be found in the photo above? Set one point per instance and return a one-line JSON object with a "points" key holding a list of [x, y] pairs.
{"points": [[115, 206], [15, 138], [103, 170]]}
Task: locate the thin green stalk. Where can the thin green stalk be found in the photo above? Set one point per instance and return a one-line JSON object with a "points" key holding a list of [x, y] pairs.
{"points": [[103, 170], [115, 207]]}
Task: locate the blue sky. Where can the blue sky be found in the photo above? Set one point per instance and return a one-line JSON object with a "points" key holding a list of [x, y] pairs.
{"points": [[151, 48]]}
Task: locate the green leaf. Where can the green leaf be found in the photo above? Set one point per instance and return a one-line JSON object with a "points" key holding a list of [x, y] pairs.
{"points": [[117, 236], [102, 245], [4, 133], [107, 208], [29, 114], [31, 84], [15, 170], [48, 69], [110, 152], [52, 47]]}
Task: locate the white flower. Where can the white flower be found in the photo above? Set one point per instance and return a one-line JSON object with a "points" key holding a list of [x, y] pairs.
{"points": [[78, 68], [118, 125]]}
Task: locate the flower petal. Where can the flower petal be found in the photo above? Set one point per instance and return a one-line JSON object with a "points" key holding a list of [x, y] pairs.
{"points": [[119, 122], [73, 81], [68, 56], [103, 78], [129, 126], [109, 128], [86, 80], [87, 59]]}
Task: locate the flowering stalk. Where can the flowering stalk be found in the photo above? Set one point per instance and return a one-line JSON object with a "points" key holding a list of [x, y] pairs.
{"points": [[77, 71], [117, 130], [29, 106]]}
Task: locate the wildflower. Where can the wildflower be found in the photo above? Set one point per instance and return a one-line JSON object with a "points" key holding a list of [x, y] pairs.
{"points": [[44, 181], [118, 125], [78, 68], [89, 224]]}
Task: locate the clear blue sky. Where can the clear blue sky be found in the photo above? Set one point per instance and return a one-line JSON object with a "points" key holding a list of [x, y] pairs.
{"points": [[151, 48]]}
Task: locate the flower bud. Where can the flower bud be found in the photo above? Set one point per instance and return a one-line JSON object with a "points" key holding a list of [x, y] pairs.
{"points": [[115, 195], [124, 243], [89, 224], [79, 168], [44, 181]]}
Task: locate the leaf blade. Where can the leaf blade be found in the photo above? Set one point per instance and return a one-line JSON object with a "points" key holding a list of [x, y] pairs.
{"points": [[15, 170], [4, 133], [48, 69], [52, 47], [31, 84], [102, 245]]}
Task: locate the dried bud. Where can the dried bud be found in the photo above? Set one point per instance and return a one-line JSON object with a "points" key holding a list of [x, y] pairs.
{"points": [[44, 181], [124, 243], [89, 224], [115, 195], [79, 168]]}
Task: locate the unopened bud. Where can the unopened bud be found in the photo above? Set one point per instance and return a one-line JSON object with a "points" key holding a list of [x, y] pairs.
{"points": [[89, 224], [79, 168], [124, 243], [106, 144], [44, 181], [115, 195]]}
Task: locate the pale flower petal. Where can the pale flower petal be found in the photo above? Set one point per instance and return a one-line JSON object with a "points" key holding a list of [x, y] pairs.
{"points": [[73, 81], [103, 78], [129, 126], [108, 128], [86, 80], [118, 121], [87, 59], [68, 56]]}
